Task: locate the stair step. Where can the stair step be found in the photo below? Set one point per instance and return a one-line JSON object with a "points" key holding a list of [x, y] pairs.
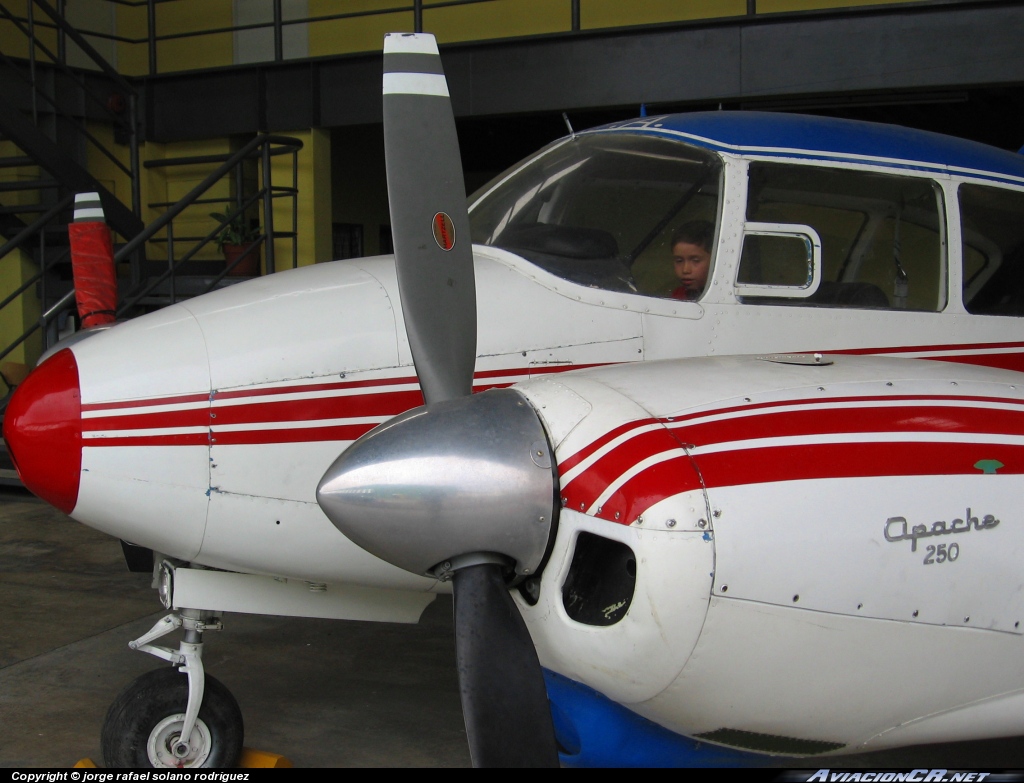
{"points": [[164, 204], [24, 209], [208, 269], [16, 161], [27, 184]]}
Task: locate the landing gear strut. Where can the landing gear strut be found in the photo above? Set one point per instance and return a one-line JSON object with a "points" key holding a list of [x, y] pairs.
{"points": [[164, 719]]}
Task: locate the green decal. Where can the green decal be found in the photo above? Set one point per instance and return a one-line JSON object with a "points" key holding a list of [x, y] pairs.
{"points": [[988, 466]]}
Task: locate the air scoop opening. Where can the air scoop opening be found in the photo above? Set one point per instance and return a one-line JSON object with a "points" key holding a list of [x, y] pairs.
{"points": [[43, 431]]}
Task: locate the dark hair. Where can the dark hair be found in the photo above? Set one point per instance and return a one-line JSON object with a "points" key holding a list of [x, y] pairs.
{"points": [[696, 232]]}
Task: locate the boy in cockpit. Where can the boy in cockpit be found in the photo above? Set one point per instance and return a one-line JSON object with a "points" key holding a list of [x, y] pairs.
{"points": [[691, 257]]}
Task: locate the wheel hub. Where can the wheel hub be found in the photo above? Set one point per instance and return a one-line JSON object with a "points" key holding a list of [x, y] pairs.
{"points": [[167, 748]]}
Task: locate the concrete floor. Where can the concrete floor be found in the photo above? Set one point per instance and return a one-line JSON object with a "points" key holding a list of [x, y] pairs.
{"points": [[322, 693]]}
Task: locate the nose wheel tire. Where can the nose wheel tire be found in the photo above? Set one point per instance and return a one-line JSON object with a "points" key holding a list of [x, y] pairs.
{"points": [[143, 725]]}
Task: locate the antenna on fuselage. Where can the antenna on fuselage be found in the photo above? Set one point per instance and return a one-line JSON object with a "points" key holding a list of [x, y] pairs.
{"points": [[572, 133]]}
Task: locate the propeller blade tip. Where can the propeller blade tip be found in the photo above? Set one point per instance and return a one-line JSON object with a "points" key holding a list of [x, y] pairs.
{"points": [[88, 208], [410, 43]]}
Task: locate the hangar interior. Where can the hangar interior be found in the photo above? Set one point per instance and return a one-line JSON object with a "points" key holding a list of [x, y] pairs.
{"points": [[190, 117], [166, 106]]}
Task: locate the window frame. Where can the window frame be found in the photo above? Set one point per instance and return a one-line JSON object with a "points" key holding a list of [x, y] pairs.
{"points": [[943, 187], [788, 230]]}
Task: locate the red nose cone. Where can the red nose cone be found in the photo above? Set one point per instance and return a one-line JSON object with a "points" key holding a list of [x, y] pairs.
{"points": [[43, 431]]}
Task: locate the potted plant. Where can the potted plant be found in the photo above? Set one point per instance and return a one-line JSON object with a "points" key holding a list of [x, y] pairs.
{"points": [[238, 238]]}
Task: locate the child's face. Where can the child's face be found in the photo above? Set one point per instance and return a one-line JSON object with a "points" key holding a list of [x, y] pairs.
{"points": [[691, 265]]}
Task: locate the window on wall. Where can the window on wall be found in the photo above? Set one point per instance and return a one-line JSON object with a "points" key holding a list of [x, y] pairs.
{"points": [[347, 240], [992, 235], [387, 241], [881, 236]]}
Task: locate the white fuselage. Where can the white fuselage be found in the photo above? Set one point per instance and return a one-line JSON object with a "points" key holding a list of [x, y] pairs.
{"points": [[822, 553], [207, 425]]}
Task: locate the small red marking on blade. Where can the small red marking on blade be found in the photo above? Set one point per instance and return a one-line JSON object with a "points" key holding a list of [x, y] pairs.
{"points": [[444, 231]]}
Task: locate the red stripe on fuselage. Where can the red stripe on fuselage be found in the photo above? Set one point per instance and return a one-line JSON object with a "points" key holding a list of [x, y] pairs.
{"points": [[751, 463], [835, 415], [851, 420], [187, 439], [998, 361], [125, 404], [196, 417], [640, 492], [853, 460], [296, 435], [570, 462], [848, 403], [321, 403], [340, 407], [592, 482], [921, 349]]}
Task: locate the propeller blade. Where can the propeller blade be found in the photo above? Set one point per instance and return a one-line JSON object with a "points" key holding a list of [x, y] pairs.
{"points": [[504, 699], [429, 221], [92, 262], [466, 486]]}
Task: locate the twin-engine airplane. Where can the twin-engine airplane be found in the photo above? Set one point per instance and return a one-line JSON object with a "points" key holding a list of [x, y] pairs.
{"points": [[658, 560]]}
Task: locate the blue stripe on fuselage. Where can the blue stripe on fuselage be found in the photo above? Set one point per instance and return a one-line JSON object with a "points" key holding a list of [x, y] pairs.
{"points": [[827, 138], [594, 731]]}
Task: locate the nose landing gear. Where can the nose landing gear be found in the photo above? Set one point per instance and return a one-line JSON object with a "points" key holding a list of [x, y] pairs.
{"points": [[165, 719]]}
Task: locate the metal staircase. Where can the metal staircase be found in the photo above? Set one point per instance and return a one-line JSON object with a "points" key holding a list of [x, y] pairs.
{"points": [[49, 116]]}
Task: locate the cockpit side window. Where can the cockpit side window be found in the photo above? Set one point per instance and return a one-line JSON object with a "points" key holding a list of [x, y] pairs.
{"points": [[881, 236], [602, 209], [992, 231]]}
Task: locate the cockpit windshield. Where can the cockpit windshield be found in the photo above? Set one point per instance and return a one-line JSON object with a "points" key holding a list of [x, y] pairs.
{"points": [[604, 210]]}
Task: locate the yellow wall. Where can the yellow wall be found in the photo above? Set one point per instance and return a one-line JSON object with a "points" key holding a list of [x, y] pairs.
{"points": [[497, 19], [615, 13], [168, 184], [17, 174], [314, 204], [205, 51], [14, 43], [103, 169], [179, 54], [17, 267], [468, 22], [21, 313], [132, 58], [357, 34]]}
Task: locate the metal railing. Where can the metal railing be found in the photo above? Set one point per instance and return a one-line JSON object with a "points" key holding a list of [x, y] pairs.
{"points": [[36, 230], [60, 102], [416, 8], [263, 148], [124, 118]]}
